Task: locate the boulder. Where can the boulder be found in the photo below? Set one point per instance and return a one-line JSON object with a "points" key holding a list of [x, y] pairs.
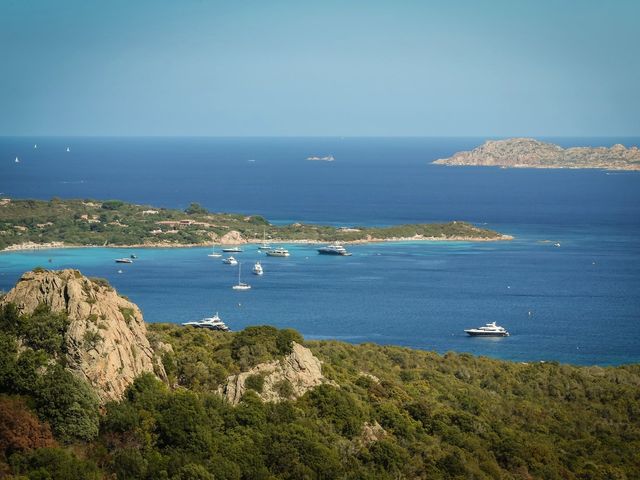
{"points": [[106, 339]]}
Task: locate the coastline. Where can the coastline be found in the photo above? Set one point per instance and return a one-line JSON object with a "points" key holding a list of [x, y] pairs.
{"points": [[28, 246]]}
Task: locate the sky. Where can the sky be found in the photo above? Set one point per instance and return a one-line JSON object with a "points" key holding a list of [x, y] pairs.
{"points": [[320, 68]]}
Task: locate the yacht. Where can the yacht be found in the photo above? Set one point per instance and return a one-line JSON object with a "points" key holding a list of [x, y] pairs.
{"points": [[213, 252], [257, 269], [278, 252], [241, 285], [334, 249], [68, 149], [213, 323], [17, 160], [232, 250], [489, 330], [264, 245], [230, 261], [124, 260]]}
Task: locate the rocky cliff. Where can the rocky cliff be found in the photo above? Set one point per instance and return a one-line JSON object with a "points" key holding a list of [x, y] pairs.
{"points": [[530, 153], [282, 379], [106, 339]]}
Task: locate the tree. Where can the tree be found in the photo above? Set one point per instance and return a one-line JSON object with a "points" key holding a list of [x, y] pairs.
{"points": [[195, 208]]}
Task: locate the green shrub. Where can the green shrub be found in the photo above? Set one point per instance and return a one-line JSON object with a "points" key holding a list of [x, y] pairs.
{"points": [[255, 382]]}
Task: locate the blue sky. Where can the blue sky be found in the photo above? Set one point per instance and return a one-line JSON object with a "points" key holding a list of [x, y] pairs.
{"points": [[298, 68]]}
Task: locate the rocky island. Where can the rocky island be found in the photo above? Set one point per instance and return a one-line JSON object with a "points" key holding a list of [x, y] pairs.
{"points": [[30, 224], [530, 153], [89, 391]]}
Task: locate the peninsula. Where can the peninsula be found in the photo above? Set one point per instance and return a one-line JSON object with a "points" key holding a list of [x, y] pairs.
{"points": [[28, 224], [530, 153]]}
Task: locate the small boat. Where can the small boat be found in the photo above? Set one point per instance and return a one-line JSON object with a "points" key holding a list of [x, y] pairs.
{"points": [[68, 149], [119, 271], [278, 252], [213, 252], [264, 245], [232, 250], [241, 285], [35, 145], [557, 244], [17, 160], [230, 261], [334, 249], [212, 323], [489, 330], [257, 269], [124, 260], [133, 256]]}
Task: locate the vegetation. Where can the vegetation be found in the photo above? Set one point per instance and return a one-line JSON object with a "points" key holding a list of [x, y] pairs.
{"points": [[113, 222], [389, 413]]}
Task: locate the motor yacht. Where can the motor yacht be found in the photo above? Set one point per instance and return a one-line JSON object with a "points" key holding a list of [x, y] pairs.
{"points": [[334, 249], [257, 269], [278, 252], [232, 250], [212, 323], [489, 330], [124, 260], [230, 261]]}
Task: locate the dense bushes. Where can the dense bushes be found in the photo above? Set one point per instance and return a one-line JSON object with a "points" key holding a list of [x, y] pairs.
{"points": [[392, 413]]}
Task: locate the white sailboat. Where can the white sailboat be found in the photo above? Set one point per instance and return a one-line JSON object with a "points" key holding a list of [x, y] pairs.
{"points": [[17, 160], [213, 252], [68, 149], [265, 245], [240, 285]]}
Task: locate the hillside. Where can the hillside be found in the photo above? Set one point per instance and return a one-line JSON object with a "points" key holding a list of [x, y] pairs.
{"points": [[320, 409], [530, 153], [33, 223]]}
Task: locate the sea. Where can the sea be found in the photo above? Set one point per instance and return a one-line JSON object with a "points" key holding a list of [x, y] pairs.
{"points": [[576, 303]]}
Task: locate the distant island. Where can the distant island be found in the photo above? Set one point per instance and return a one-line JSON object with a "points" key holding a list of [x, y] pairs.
{"points": [[530, 153], [30, 224], [327, 158]]}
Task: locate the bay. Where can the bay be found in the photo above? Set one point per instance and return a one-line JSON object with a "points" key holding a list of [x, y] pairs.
{"points": [[577, 303]]}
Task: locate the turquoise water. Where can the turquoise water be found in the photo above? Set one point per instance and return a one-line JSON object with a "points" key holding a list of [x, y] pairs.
{"points": [[584, 306], [584, 297]]}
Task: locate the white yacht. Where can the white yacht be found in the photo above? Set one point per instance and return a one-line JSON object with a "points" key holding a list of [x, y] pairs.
{"points": [[334, 249], [489, 330], [213, 323], [124, 260], [213, 252], [17, 160], [230, 261], [278, 252], [241, 285], [68, 149], [257, 269], [232, 250]]}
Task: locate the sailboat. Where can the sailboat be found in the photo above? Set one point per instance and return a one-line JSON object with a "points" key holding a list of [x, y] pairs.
{"points": [[240, 285], [68, 149], [17, 160], [213, 252], [35, 145], [265, 245]]}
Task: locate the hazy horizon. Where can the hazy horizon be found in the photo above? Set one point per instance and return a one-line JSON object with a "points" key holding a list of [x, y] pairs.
{"points": [[295, 69]]}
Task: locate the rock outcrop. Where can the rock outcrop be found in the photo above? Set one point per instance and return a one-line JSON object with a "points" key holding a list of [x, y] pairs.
{"points": [[106, 339], [232, 238], [300, 370], [530, 153]]}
